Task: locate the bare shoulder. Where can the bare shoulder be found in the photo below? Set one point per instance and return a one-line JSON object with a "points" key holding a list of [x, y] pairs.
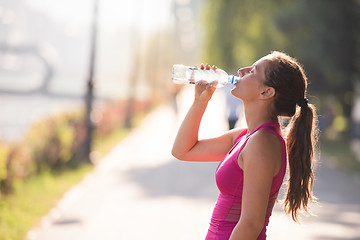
{"points": [[263, 149], [264, 139]]}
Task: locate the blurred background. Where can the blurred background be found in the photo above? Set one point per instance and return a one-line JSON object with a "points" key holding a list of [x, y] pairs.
{"points": [[77, 76]]}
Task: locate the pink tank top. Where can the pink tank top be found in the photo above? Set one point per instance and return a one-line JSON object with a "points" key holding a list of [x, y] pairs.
{"points": [[229, 179]]}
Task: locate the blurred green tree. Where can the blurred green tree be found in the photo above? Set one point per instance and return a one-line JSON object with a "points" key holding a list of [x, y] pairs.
{"points": [[240, 32], [323, 35]]}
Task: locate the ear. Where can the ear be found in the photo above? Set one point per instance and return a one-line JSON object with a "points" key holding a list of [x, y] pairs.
{"points": [[267, 93]]}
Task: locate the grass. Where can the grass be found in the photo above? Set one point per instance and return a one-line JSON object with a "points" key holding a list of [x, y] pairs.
{"points": [[338, 153], [24, 208], [35, 197]]}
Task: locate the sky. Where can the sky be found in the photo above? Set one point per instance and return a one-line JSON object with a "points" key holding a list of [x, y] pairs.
{"points": [[148, 15], [122, 27]]}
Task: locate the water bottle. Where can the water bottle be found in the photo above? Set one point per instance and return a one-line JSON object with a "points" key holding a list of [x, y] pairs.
{"points": [[192, 75]]}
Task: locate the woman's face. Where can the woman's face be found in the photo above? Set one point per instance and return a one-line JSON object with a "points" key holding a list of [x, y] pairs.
{"points": [[251, 81]]}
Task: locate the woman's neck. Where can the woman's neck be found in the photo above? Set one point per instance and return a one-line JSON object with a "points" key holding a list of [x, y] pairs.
{"points": [[257, 114]]}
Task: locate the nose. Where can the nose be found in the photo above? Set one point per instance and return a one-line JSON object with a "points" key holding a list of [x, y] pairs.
{"points": [[243, 71]]}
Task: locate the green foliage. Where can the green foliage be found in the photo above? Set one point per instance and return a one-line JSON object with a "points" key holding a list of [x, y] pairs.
{"points": [[51, 141], [56, 143], [240, 32], [323, 35], [4, 151]]}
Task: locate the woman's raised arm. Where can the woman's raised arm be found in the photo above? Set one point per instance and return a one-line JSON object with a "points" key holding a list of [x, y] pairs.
{"points": [[187, 146]]}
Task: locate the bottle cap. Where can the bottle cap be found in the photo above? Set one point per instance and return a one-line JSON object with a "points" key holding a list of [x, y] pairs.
{"points": [[233, 79]]}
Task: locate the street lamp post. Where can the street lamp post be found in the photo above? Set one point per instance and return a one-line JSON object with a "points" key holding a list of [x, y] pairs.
{"points": [[90, 85]]}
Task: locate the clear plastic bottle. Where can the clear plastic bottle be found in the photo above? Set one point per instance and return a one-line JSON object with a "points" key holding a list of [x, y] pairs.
{"points": [[192, 75]]}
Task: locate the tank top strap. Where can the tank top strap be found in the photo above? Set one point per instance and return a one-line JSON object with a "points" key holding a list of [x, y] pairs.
{"points": [[243, 133], [267, 125], [273, 128], [271, 125], [238, 139]]}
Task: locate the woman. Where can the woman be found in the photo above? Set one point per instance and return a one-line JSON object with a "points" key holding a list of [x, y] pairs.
{"points": [[253, 160]]}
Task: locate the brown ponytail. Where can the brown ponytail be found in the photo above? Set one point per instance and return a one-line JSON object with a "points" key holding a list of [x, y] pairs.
{"points": [[300, 143], [287, 77]]}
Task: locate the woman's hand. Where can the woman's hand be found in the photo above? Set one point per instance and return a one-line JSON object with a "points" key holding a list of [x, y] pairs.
{"points": [[187, 145], [204, 90]]}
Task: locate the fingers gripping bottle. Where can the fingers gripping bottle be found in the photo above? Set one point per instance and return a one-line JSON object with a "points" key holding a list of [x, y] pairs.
{"points": [[192, 75]]}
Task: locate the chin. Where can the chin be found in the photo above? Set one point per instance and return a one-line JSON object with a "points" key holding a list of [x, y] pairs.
{"points": [[234, 93]]}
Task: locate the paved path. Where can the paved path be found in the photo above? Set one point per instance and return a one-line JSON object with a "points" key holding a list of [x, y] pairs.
{"points": [[139, 191]]}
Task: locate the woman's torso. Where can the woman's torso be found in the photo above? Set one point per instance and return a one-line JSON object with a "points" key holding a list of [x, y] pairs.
{"points": [[229, 179]]}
